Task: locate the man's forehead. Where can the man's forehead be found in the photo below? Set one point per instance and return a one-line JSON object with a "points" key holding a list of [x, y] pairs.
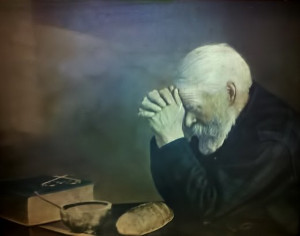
{"points": [[190, 97], [190, 90], [190, 85]]}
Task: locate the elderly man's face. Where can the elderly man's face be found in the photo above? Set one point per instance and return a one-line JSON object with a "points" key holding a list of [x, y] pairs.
{"points": [[208, 117]]}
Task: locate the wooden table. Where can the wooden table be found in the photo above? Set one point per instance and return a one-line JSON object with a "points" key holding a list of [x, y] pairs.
{"points": [[108, 229], [181, 227]]}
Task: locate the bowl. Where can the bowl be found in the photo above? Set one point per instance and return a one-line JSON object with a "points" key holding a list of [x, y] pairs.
{"points": [[85, 217]]}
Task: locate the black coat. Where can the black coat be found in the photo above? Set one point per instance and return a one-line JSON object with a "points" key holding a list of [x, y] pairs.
{"points": [[250, 183]]}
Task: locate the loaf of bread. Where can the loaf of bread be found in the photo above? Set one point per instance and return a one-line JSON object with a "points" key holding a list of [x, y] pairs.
{"points": [[144, 218]]}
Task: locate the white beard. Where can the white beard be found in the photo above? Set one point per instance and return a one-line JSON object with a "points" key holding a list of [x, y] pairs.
{"points": [[212, 135]]}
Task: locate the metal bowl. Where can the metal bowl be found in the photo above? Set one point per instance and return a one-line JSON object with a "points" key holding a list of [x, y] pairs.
{"points": [[85, 217]]}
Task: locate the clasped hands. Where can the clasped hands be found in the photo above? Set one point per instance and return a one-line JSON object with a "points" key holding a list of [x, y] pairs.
{"points": [[165, 113]]}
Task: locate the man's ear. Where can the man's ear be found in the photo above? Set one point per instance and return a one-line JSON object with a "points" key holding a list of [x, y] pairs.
{"points": [[231, 90]]}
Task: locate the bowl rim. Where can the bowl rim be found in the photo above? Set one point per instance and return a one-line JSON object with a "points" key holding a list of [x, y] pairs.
{"points": [[107, 204]]}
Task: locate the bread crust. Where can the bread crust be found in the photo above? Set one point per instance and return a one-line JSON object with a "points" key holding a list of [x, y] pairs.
{"points": [[144, 218]]}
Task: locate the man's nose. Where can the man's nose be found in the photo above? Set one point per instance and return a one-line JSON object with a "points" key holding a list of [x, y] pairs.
{"points": [[190, 119]]}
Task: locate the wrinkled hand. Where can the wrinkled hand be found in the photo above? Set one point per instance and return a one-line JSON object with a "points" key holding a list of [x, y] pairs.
{"points": [[165, 113]]}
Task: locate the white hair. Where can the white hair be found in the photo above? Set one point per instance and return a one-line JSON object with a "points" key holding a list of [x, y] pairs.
{"points": [[206, 71], [210, 67]]}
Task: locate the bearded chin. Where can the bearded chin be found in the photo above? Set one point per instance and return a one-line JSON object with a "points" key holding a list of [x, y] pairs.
{"points": [[212, 135]]}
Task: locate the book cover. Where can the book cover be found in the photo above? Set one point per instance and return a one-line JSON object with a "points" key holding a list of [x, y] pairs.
{"points": [[20, 204], [8, 228]]}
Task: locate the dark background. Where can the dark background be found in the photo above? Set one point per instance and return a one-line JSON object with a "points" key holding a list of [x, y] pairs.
{"points": [[74, 72]]}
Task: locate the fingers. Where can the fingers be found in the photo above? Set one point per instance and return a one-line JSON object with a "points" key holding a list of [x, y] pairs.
{"points": [[171, 88], [155, 101], [145, 114], [155, 97], [167, 96], [150, 106], [177, 97]]}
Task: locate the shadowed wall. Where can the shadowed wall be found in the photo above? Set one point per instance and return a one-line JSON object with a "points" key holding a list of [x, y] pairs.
{"points": [[74, 73]]}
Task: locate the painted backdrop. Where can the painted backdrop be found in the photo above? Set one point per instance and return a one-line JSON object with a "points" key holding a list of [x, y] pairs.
{"points": [[74, 72]]}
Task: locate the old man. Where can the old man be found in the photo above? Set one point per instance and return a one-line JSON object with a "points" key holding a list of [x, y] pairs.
{"points": [[225, 151]]}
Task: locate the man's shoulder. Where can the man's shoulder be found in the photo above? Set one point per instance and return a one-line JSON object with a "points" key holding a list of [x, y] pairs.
{"points": [[272, 118], [268, 120]]}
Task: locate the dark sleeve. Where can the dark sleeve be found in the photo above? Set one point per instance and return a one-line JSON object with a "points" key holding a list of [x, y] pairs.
{"points": [[188, 185]]}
